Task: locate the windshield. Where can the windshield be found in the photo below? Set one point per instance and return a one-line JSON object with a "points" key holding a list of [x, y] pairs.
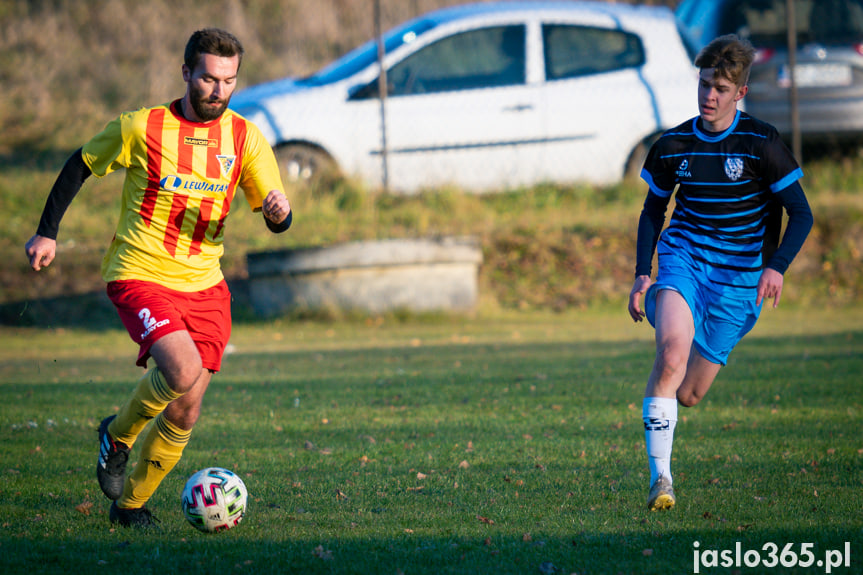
{"points": [[367, 54]]}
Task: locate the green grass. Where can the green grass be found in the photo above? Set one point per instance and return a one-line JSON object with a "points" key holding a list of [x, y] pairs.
{"points": [[484, 445]]}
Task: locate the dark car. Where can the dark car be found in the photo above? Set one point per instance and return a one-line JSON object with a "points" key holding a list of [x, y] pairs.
{"points": [[829, 66]]}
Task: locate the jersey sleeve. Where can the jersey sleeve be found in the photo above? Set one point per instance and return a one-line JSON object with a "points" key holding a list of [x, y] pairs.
{"points": [[779, 167], [106, 152], [657, 173], [260, 173]]}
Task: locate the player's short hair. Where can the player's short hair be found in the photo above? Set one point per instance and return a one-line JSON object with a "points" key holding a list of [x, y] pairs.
{"points": [[730, 57], [212, 41]]}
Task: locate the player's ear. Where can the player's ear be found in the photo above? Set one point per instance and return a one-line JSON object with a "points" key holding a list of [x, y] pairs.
{"points": [[187, 74], [741, 92]]}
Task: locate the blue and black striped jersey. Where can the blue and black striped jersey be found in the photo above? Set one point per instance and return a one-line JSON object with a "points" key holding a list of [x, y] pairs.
{"points": [[725, 207]]}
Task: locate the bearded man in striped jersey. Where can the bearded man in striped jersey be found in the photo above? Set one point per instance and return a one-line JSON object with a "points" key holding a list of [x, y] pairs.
{"points": [[183, 161]]}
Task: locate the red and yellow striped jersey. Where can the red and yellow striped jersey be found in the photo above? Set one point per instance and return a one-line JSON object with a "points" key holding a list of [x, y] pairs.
{"points": [[181, 178]]}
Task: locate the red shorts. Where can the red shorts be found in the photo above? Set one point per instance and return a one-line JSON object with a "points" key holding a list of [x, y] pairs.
{"points": [[150, 311]]}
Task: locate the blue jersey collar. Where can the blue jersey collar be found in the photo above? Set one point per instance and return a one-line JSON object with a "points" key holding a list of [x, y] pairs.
{"points": [[714, 136]]}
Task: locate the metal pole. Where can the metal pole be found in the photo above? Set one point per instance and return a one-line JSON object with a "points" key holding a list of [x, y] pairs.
{"points": [[796, 143], [382, 96]]}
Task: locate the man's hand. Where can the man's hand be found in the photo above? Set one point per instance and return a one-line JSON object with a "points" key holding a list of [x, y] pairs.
{"points": [[769, 286], [41, 251], [638, 289], [276, 207]]}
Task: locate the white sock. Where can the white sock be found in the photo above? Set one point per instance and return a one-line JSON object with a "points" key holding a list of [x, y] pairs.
{"points": [[660, 417]]}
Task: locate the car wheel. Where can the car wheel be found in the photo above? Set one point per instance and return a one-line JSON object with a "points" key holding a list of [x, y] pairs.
{"points": [[305, 166], [632, 170]]}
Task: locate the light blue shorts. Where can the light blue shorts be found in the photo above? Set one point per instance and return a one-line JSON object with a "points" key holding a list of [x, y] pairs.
{"points": [[720, 322]]}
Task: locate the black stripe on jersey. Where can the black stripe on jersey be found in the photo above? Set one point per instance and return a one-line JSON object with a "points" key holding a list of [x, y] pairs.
{"points": [[708, 227], [713, 248], [724, 266]]}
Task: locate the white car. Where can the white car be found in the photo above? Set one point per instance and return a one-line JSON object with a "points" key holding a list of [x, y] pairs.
{"points": [[487, 97]]}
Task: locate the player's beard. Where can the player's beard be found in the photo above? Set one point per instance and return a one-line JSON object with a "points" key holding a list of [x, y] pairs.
{"points": [[202, 105]]}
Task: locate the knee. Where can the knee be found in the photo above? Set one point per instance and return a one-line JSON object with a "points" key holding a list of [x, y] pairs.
{"points": [[670, 362], [182, 377]]}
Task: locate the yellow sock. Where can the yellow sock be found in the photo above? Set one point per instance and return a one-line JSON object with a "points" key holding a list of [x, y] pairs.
{"points": [[161, 450], [151, 397]]}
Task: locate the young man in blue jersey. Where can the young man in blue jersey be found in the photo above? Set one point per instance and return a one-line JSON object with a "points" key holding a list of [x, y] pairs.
{"points": [[720, 257]]}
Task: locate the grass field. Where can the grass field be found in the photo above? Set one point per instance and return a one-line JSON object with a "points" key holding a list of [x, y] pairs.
{"points": [[505, 444]]}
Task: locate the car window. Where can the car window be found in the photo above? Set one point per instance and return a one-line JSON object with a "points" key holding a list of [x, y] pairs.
{"points": [[763, 22], [572, 51], [367, 54], [483, 58]]}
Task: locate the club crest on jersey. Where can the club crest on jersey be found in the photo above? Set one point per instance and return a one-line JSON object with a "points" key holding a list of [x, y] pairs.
{"points": [[227, 163], [683, 170], [733, 168]]}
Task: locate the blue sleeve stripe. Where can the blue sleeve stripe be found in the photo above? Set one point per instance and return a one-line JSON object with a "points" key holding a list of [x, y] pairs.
{"points": [[647, 177], [787, 181]]}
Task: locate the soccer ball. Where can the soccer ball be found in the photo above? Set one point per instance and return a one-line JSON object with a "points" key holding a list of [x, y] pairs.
{"points": [[214, 499]]}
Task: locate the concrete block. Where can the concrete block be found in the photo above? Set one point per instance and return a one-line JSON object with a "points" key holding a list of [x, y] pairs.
{"points": [[371, 276]]}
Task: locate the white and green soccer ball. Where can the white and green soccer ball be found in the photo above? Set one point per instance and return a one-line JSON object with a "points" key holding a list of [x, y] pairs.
{"points": [[214, 499]]}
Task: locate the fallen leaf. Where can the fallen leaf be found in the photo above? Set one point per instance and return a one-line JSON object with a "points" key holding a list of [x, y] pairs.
{"points": [[485, 520], [84, 507], [647, 552], [547, 568], [527, 537], [340, 494], [421, 475], [464, 465], [322, 553]]}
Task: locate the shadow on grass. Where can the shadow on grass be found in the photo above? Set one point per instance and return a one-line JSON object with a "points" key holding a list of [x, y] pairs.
{"points": [[94, 311], [658, 549]]}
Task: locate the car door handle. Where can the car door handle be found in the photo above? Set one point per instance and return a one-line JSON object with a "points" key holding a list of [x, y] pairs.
{"points": [[518, 108]]}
